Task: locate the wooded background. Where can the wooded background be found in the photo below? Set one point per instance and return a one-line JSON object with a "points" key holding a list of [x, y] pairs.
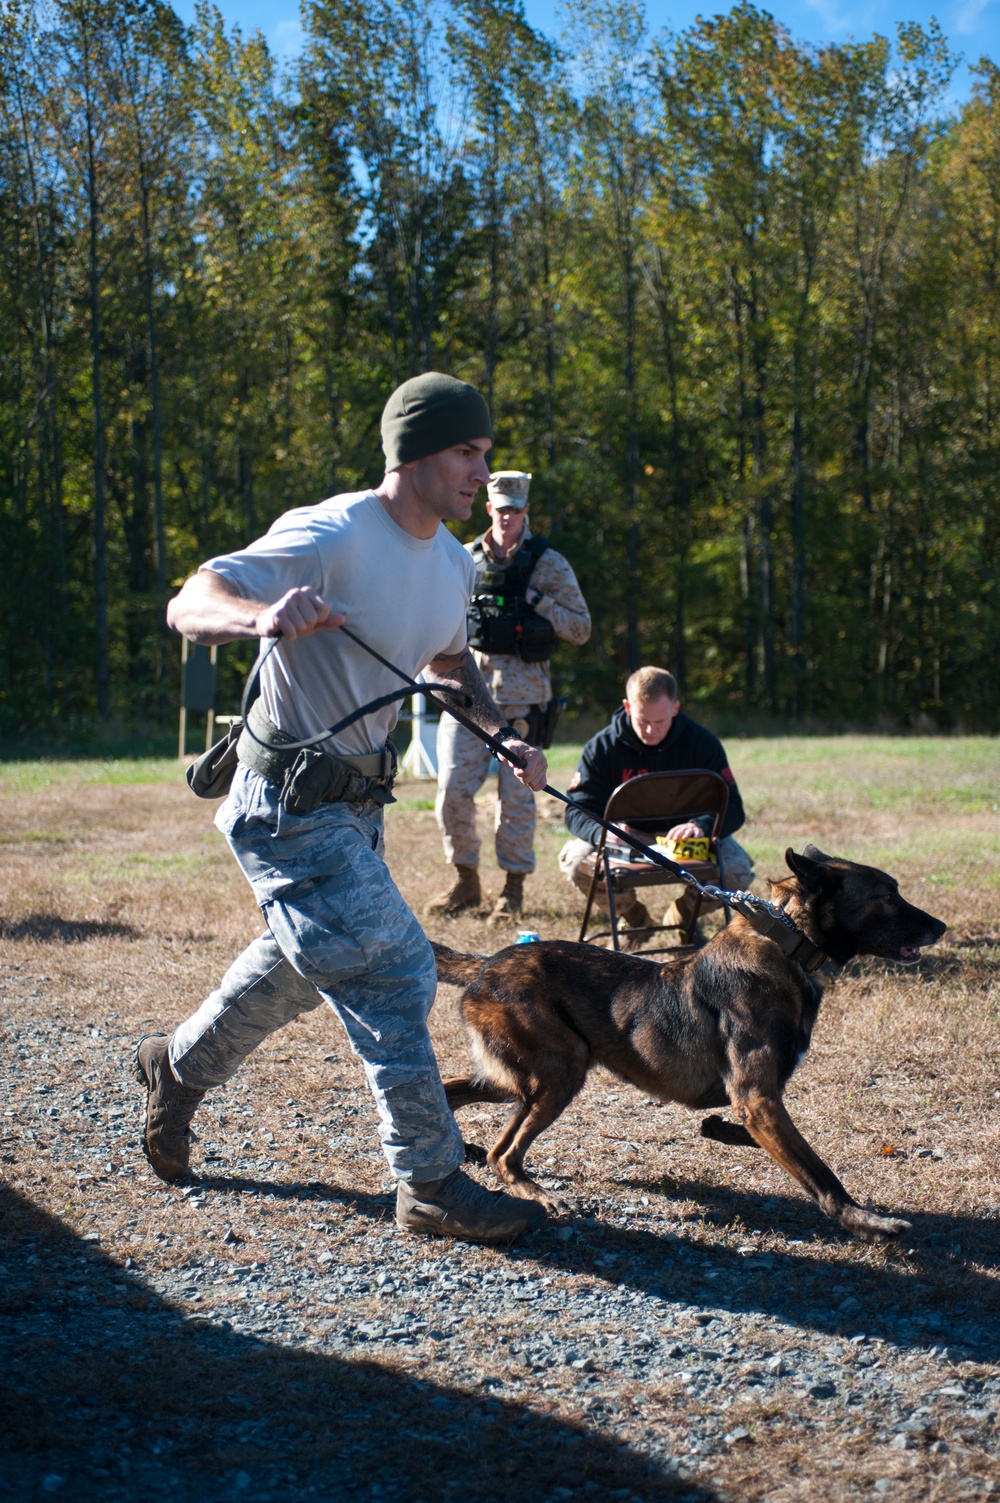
{"points": [[734, 301]]}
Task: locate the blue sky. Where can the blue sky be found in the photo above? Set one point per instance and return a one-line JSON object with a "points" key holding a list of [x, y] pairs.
{"points": [[971, 26]]}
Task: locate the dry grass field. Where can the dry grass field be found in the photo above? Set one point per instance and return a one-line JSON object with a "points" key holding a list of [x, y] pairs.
{"points": [[698, 1330]]}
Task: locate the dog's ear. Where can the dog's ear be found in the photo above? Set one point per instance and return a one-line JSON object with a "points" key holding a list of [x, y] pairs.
{"points": [[815, 854], [808, 871]]}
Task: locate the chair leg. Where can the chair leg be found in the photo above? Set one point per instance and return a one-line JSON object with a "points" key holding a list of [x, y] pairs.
{"points": [[611, 907], [593, 889]]}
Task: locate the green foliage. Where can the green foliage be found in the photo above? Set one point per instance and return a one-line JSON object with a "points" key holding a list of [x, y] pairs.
{"points": [[735, 302]]}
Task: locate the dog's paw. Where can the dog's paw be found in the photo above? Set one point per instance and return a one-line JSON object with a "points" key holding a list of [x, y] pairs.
{"points": [[474, 1154], [869, 1227], [530, 1189], [721, 1131]]}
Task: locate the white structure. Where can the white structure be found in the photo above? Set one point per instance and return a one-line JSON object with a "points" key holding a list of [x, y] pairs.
{"points": [[420, 758]]}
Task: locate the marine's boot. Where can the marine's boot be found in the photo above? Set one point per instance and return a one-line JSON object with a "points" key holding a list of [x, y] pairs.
{"points": [[463, 893], [636, 917], [508, 904], [457, 1207], [169, 1109]]}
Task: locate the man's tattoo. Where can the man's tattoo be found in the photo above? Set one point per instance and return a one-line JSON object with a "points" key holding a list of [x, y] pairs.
{"points": [[478, 703]]}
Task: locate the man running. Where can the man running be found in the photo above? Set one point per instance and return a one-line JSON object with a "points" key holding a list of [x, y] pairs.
{"points": [[306, 827]]}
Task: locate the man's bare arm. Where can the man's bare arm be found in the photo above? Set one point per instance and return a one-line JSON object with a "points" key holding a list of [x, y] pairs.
{"points": [[209, 609], [461, 671]]}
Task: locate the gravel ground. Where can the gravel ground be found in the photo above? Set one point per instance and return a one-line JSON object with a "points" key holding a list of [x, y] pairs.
{"points": [[696, 1330]]}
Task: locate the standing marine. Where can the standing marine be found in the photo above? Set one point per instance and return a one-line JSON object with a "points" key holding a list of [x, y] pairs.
{"points": [[526, 597]]}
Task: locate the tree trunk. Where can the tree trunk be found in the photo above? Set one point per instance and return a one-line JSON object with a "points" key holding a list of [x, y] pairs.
{"points": [[548, 315], [680, 482], [765, 508], [103, 674], [632, 581], [493, 265], [747, 550], [798, 565], [50, 440], [159, 534]]}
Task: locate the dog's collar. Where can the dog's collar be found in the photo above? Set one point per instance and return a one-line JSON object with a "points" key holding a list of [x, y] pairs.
{"points": [[800, 948], [773, 923]]}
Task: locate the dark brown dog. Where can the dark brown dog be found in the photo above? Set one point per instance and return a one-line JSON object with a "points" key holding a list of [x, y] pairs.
{"points": [[724, 1027]]}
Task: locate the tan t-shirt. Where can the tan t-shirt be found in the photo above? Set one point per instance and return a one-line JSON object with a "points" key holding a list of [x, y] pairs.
{"points": [[406, 596]]}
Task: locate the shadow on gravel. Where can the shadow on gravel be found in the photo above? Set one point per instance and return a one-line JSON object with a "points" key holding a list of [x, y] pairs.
{"points": [[376, 1206], [52, 930], [107, 1392], [922, 1297]]}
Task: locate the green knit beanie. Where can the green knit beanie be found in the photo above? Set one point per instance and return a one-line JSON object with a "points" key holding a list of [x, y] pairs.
{"points": [[429, 413]]}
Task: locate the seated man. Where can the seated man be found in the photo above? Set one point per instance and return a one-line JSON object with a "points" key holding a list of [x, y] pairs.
{"points": [[649, 734]]}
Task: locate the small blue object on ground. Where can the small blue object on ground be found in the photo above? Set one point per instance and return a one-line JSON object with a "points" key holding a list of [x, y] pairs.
{"points": [[528, 937]]}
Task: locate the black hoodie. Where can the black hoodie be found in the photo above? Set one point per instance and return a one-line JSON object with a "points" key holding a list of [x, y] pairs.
{"points": [[616, 754]]}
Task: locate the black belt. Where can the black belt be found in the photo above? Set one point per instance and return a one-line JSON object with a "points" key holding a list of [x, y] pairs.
{"points": [[308, 777]]}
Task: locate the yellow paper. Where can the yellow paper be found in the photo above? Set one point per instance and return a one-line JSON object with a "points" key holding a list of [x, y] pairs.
{"points": [[686, 850]]}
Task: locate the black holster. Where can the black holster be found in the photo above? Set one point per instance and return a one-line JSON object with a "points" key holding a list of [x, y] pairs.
{"points": [[542, 722]]}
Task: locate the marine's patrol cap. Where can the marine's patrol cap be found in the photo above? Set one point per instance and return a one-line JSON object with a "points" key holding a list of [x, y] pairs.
{"points": [[509, 488]]}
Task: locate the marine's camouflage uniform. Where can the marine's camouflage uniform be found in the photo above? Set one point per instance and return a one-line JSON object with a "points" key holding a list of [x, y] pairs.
{"points": [[338, 931], [463, 760]]}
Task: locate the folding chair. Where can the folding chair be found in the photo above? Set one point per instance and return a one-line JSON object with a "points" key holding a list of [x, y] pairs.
{"points": [[651, 805]]}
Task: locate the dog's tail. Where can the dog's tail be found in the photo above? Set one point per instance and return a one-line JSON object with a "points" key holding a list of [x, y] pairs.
{"points": [[454, 968]]}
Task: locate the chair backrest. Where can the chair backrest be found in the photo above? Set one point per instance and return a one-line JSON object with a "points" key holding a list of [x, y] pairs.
{"points": [[656, 801]]}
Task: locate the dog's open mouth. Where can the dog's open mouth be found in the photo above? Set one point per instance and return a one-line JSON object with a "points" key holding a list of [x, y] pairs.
{"points": [[909, 954]]}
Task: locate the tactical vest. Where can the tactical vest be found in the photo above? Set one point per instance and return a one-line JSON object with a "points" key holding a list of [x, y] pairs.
{"points": [[501, 622]]}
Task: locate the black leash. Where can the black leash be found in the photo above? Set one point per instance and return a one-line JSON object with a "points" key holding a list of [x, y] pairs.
{"points": [[430, 691], [767, 918], [341, 725]]}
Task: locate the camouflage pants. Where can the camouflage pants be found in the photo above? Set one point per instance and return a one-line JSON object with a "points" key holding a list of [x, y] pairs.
{"points": [[339, 932], [463, 763], [736, 864]]}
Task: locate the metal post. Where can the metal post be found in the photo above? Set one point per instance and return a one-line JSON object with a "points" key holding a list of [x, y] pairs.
{"points": [[210, 715], [182, 730]]}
